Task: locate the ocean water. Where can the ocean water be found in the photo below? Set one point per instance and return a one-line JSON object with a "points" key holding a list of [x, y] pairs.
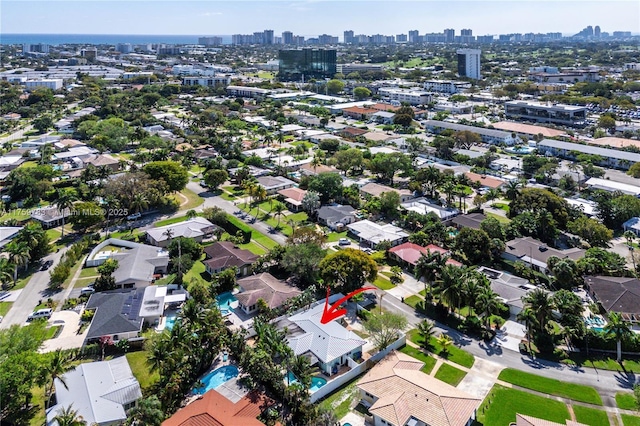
{"points": [[56, 39]]}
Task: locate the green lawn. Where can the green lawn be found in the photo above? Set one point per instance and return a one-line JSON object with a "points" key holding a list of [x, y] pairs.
{"points": [[4, 307], [196, 273], [306, 144], [626, 401], [591, 416], [89, 272], [629, 420], [501, 405], [53, 234], [413, 301], [339, 402], [83, 282], [227, 196], [604, 363], [497, 216], [253, 248], [170, 221], [333, 237], [429, 361], [551, 386], [194, 200], [382, 283], [449, 374], [456, 355], [51, 332], [140, 369]]}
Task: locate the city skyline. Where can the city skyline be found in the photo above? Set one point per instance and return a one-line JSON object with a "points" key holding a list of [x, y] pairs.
{"points": [[314, 17]]}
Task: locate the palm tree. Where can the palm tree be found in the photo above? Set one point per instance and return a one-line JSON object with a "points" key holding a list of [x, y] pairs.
{"points": [[512, 189], [138, 203], [540, 303], [528, 316], [488, 303], [619, 328], [18, 255], [301, 367], [449, 287], [492, 194], [6, 272], [445, 341], [69, 417], [259, 194], [630, 237], [278, 210], [64, 201], [59, 364], [147, 412], [426, 329], [429, 267]]}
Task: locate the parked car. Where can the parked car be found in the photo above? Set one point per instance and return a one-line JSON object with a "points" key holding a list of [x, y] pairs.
{"points": [[344, 241], [87, 290], [46, 265], [40, 313], [134, 216]]}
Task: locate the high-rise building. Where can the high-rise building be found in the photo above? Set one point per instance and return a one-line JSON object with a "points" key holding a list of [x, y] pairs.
{"points": [[401, 38], [210, 41], [469, 63], [414, 36], [124, 48], [596, 31], [449, 35], [348, 37], [305, 64], [466, 32], [35, 48], [287, 37], [258, 38], [267, 37], [89, 53], [327, 39]]}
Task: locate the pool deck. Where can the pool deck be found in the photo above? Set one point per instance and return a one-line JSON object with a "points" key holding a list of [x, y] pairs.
{"points": [[232, 389]]}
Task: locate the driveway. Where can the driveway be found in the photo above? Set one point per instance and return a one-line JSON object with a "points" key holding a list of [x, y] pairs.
{"points": [[68, 337]]}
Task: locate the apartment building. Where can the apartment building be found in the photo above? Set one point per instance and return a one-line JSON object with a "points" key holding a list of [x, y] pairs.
{"points": [[568, 115], [410, 96]]}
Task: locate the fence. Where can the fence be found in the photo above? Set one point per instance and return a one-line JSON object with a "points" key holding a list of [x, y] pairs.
{"points": [[340, 381]]}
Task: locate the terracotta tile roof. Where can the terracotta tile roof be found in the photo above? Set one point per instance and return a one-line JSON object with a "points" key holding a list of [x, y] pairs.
{"points": [[528, 129], [487, 181], [296, 194], [213, 409], [384, 107], [375, 189], [359, 110], [522, 420], [410, 252], [403, 392], [614, 142], [266, 287], [353, 131], [224, 254], [321, 168]]}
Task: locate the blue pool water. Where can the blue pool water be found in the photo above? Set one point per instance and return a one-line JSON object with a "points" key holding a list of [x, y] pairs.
{"points": [[598, 329], [316, 382], [224, 302], [216, 378], [169, 321], [346, 424]]}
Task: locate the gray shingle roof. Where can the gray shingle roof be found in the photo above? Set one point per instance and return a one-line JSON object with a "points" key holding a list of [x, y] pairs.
{"points": [[588, 149], [116, 312]]}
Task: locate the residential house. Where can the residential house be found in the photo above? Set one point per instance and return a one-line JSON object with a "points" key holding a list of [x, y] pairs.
{"points": [[359, 113], [536, 254], [351, 132], [197, 228], [408, 254], [224, 254], [138, 264], [616, 294], [329, 346], [266, 287], [273, 184], [522, 420], [337, 216], [397, 393], [102, 160], [293, 198], [471, 220], [632, 225], [311, 170], [425, 207], [156, 298], [116, 314], [100, 392], [485, 181], [7, 233], [510, 288], [51, 216], [214, 409], [375, 190], [383, 117], [372, 234]]}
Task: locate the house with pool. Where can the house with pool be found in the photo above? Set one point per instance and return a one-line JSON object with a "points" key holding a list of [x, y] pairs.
{"points": [[330, 346], [266, 287]]}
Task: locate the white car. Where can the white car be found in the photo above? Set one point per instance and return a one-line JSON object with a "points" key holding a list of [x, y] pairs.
{"points": [[40, 313], [344, 241]]}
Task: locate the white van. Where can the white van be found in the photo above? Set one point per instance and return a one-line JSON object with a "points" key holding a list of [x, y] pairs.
{"points": [[87, 290], [40, 313]]}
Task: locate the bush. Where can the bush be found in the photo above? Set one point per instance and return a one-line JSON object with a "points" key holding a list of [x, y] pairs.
{"points": [[87, 315]]}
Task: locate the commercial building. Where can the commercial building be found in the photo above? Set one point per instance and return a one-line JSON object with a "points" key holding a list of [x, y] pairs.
{"points": [[568, 115], [221, 80], [247, 92], [446, 86], [50, 83], [306, 64], [412, 97], [469, 63], [611, 158], [347, 69]]}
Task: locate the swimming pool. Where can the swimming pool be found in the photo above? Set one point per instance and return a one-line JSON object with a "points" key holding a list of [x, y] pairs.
{"points": [[216, 378], [169, 321], [225, 301], [316, 381]]}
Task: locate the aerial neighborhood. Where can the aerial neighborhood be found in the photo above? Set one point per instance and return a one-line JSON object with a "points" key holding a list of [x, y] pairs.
{"points": [[406, 230]]}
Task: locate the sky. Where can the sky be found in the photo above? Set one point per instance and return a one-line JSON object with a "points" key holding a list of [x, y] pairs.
{"points": [[312, 17]]}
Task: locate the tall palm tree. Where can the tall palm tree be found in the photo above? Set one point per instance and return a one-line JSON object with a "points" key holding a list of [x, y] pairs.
{"points": [[449, 287], [488, 303], [59, 364], [528, 316], [619, 328], [138, 203], [429, 267], [64, 201], [301, 367], [18, 255], [278, 210], [259, 194], [69, 417], [512, 189], [540, 303], [6, 272]]}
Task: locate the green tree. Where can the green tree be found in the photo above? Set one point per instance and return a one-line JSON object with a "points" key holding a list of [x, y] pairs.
{"points": [[465, 139], [493, 227], [389, 203], [348, 269], [19, 255], [474, 244], [445, 342], [592, 231], [328, 185], [634, 170], [69, 417], [361, 93], [404, 116], [55, 367], [426, 329], [387, 165], [43, 123], [148, 411], [385, 328], [619, 328], [311, 202], [215, 177], [86, 215], [172, 173], [64, 201], [106, 281], [607, 122], [335, 86], [348, 160], [302, 260]]}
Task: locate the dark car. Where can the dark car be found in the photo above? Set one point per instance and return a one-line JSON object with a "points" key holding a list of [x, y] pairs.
{"points": [[46, 265]]}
